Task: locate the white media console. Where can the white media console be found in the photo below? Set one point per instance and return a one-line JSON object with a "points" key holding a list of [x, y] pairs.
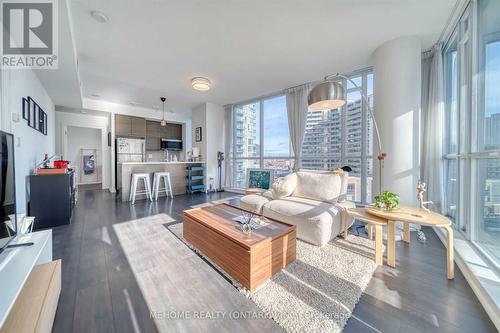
{"points": [[16, 265]]}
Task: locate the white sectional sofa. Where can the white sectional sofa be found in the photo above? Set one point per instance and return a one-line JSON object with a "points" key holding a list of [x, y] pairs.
{"points": [[313, 202]]}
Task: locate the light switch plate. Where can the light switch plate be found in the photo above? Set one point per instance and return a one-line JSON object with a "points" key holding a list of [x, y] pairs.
{"points": [[150, 155], [15, 117]]}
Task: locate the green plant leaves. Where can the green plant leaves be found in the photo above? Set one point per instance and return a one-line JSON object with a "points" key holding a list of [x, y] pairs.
{"points": [[387, 200]]}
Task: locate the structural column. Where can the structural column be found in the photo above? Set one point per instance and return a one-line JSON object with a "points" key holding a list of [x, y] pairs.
{"points": [[397, 86]]}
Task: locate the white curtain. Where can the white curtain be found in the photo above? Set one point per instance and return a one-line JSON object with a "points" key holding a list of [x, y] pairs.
{"points": [[228, 146], [432, 170], [296, 105]]}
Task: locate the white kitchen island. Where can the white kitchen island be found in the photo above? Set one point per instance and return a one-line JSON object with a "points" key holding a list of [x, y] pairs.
{"points": [[177, 175]]}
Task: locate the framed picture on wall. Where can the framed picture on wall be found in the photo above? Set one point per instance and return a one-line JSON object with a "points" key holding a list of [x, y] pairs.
{"points": [[32, 109], [34, 114], [37, 117], [42, 122], [198, 134], [26, 109]]}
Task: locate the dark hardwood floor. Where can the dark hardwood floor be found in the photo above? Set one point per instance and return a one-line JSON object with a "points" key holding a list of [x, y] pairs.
{"points": [[100, 294]]}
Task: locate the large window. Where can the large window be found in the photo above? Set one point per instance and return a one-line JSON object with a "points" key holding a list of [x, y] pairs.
{"points": [[472, 130], [332, 139], [486, 166], [261, 138], [344, 136]]}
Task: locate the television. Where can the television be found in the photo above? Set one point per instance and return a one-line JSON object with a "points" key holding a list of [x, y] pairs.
{"points": [[8, 228]]}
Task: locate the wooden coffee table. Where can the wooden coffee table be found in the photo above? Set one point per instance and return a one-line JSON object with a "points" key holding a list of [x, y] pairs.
{"points": [[249, 259]]}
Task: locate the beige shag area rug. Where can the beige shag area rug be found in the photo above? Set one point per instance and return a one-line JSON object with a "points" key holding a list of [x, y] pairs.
{"points": [[317, 292]]}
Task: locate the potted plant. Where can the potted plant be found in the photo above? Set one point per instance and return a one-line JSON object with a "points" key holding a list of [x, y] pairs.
{"points": [[387, 200]]}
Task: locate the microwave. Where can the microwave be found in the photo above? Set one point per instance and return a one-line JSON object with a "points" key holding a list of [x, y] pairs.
{"points": [[171, 144]]}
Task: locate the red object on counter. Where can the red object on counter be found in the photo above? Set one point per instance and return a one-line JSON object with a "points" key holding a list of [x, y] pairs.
{"points": [[61, 164]]}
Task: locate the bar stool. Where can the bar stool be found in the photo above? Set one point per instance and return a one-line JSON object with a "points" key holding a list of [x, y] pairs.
{"points": [[156, 184], [133, 186]]}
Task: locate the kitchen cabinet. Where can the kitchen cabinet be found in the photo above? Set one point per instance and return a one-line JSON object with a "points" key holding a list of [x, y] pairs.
{"points": [[172, 131], [123, 125], [128, 126], [138, 127], [153, 135]]}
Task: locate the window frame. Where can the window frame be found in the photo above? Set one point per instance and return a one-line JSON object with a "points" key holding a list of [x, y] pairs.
{"points": [[261, 158], [469, 154]]}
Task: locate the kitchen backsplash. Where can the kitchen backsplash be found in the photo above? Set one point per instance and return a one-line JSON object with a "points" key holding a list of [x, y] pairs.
{"points": [[160, 155]]}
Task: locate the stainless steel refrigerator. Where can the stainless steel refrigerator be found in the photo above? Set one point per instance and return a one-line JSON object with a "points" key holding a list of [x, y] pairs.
{"points": [[130, 150]]}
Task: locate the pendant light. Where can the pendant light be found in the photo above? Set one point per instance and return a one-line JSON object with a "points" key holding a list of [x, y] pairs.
{"points": [[163, 121]]}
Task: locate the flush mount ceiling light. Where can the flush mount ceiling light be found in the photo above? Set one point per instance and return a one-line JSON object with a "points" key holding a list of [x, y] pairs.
{"points": [[200, 83], [99, 16]]}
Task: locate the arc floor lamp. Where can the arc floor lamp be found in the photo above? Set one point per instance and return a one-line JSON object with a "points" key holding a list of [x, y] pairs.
{"points": [[330, 94]]}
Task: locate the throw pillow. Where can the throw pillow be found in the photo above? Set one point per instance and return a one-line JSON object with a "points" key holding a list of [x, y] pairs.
{"points": [[284, 186]]}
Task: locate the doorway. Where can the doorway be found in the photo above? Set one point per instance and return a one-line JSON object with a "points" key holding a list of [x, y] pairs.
{"points": [[84, 151]]}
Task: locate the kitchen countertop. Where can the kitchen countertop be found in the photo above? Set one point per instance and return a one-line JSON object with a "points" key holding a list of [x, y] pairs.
{"points": [[137, 163]]}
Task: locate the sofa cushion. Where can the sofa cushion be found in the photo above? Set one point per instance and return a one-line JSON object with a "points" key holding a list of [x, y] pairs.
{"points": [[253, 202], [318, 186], [284, 186], [317, 222]]}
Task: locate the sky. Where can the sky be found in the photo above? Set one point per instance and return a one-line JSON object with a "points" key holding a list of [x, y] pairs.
{"points": [[276, 133], [492, 79]]}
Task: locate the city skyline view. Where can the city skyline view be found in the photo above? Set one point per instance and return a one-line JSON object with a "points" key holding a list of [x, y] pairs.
{"points": [[332, 139]]}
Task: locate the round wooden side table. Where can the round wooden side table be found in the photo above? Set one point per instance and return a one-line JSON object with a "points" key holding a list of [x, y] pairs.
{"points": [[373, 222], [407, 215]]}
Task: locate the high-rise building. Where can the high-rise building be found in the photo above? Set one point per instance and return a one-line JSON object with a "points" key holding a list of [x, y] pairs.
{"points": [[492, 132], [322, 148], [246, 140]]}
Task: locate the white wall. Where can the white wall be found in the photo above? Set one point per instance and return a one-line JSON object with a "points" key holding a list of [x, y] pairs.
{"points": [[30, 145], [397, 88], [215, 141], [210, 117], [199, 119], [88, 139], [99, 122]]}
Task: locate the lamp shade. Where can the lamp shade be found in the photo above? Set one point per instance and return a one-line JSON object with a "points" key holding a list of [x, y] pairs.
{"points": [[326, 96]]}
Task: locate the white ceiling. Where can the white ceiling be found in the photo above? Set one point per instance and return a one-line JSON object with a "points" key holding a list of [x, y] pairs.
{"points": [[247, 48], [63, 84]]}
